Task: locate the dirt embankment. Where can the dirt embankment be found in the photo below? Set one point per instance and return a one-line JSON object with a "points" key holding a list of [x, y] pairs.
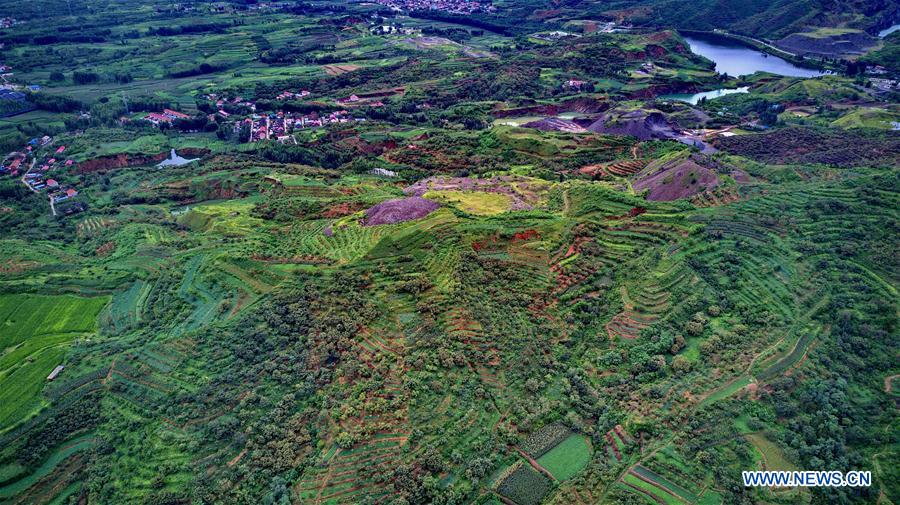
{"points": [[851, 43], [583, 105], [133, 160]]}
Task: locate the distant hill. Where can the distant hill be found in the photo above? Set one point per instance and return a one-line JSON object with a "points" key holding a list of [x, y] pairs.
{"points": [[773, 19]]}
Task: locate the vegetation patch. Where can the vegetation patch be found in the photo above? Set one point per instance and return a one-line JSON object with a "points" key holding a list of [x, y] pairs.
{"points": [[568, 458]]}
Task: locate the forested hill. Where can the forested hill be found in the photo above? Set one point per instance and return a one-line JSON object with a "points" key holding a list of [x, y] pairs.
{"points": [[763, 18]]}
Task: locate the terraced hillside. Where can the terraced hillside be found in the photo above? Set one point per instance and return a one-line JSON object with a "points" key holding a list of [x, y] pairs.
{"points": [[516, 253]]}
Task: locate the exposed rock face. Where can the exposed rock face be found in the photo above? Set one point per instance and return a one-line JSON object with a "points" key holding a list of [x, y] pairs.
{"points": [[852, 43], [583, 105], [133, 160]]}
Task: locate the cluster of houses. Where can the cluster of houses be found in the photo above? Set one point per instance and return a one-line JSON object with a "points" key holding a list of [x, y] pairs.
{"points": [[451, 6], [289, 95], [37, 175], [886, 85], [279, 125], [576, 85], [13, 164], [167, 116], [393, 30], [38, 178], [8, 22]]}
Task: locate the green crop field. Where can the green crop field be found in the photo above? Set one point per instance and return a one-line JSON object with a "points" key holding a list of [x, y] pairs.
{"points": [[37, 331], [568, 458]]}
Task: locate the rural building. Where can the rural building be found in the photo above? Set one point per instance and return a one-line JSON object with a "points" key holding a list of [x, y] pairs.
{"points": [[55, 372]]}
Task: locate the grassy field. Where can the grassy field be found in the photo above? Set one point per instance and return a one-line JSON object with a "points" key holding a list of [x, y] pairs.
{"points": [[474, 202], [37, 331], [568, 458], [773, 457]]}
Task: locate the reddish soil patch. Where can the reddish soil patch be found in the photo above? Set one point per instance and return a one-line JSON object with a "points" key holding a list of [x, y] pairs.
{"points": [[237, 458], [339, 69], [341, 209], [16, 266], [105, 249], [525, 236]]}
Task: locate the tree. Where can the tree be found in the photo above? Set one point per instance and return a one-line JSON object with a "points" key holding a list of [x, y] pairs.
{"points": [[244, 133]]}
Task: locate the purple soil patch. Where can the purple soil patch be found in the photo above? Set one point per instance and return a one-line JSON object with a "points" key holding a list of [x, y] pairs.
{"points": [[677, 180], [555, 124], [328, 231], [399, 210], [638, 123]]}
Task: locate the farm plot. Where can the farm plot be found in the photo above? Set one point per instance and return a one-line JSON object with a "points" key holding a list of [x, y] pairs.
{"points": [[617, 442], [525, 486], [479, 203], [773, 457], [37, 332], [568, 458], [540, 442]]}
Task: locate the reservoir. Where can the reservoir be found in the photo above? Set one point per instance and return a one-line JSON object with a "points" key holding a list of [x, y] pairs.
{"points": [[735, 59], [174, 160], [709, 95], [887, 31]]}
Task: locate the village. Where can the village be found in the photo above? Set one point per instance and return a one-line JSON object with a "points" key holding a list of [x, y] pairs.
{"points": [[278, 125], [37, 170], [450, 6]]}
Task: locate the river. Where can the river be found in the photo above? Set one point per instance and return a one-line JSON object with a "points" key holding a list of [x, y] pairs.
{"points": [[887, 31], [735, 59], [709, 95]]}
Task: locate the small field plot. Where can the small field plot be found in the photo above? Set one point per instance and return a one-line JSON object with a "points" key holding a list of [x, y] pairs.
{"points": [[773, 457], [36, 333], [568, 458], [474, 202], [525, 486]]}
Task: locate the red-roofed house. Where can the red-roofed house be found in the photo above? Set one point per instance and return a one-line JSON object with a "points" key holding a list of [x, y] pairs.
{"points": [[155, 118], [51, 183], [174, 114], [71, 192], [61, 149]]}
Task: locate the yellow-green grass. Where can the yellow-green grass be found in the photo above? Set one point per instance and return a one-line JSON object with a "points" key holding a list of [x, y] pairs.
{"points": [[230, 217], [829, 32], [568, 458], [773, 457], [37, 331], [727, 390], [473, 202], [868, 117]]}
